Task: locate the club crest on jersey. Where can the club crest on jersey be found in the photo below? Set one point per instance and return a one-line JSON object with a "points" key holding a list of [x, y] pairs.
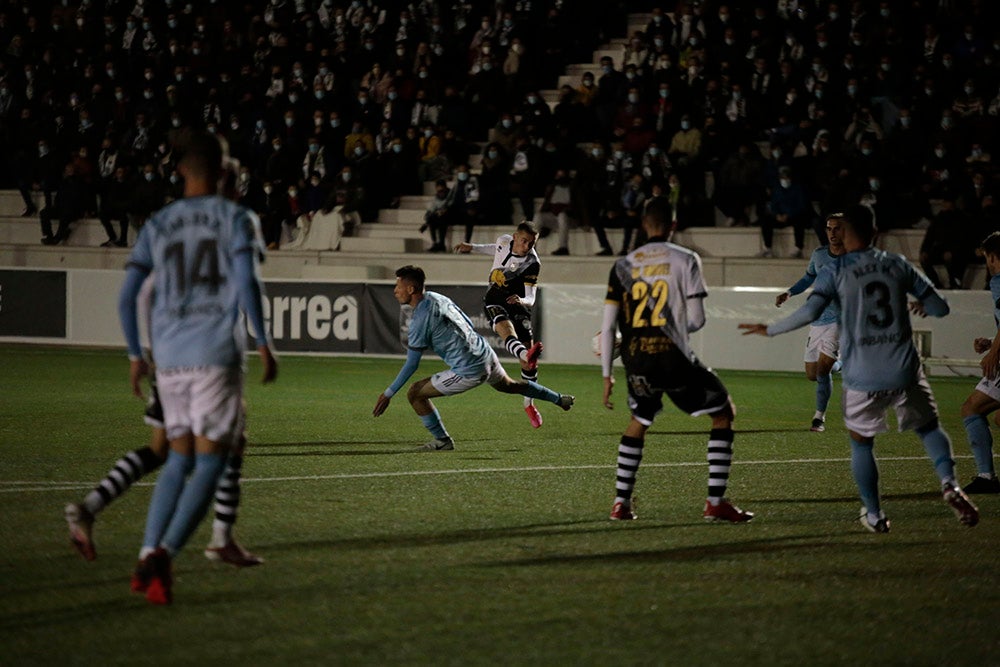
{"points": [[498, 278]]}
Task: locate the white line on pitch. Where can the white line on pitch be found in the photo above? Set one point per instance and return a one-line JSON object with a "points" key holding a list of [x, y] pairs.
{"points": [[24, 486]]}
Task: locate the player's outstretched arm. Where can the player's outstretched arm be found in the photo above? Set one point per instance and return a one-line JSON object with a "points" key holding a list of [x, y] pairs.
{"points": [[463, 248], [780, 299], [980, 345], [756, 329]]}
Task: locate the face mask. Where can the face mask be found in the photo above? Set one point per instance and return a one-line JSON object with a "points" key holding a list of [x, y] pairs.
{"points": [[630, 76], [319, 94], [619, 155], [314, 182], [335, 123], [293, 98], [119, 96], [596, 152], [314, 148], [392, 96], [172, 23], [866, 151], [939, 152], [422, 75], [359, 151], [439, 50], [428, 133], [873, 184], [277, 147], [487, 67], [587, 83], [507, 123], [292, 192], [268, 189], [946, 123], [323, 71], [884, 13], [462, 176], [633, 99], [148, 176], [977, 152], [968, 90], [289, 122], [606, 69], [658, 43], [43, 151], [685, 125], [369, 46], [905, 121], [775, 154], [786, 183], [176, 122], [174, 179], [852, 90], [345, 177], [397, 148], [654, 151], [244, 177], [532, 99]]}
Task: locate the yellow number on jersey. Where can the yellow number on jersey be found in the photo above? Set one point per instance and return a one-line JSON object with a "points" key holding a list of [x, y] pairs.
{"points": [[641, 292]]}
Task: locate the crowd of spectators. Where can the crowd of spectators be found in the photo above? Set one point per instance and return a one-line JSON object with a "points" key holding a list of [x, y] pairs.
{"points": [[774, 112]]}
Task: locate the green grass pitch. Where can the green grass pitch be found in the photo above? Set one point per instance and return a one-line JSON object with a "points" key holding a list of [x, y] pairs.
{"points": [[499, 552]]}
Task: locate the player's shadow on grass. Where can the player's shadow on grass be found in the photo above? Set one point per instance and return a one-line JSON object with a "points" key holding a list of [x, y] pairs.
{"points": [[332, 448], [923, 495], [444, 538], [687, 553]]}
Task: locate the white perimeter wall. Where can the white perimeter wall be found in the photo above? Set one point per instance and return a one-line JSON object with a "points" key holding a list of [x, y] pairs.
{"points": [[572, 315]]}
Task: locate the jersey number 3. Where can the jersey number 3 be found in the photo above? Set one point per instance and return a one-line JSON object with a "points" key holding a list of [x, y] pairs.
{"points": [[880, 315], [642, 293], [204, 269]]}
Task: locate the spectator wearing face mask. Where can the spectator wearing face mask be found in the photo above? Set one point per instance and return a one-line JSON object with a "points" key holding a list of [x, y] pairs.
{"points": [[789, 207], [462, 208], [148, 197]]}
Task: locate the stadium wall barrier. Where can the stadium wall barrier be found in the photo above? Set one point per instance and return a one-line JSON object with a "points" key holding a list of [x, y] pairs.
{"points": [[79, 307]]}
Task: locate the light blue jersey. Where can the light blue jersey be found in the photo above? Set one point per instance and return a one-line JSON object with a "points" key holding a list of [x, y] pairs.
{"points": [[820, 258], [876, 341], [441, 326], [194, 245]]}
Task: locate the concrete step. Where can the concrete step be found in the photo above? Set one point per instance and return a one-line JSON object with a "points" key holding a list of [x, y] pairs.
{"points": [[11, 204], [336, 272], [368, 244], [28, 231]]}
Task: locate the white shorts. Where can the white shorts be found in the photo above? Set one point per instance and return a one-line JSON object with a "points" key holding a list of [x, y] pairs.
{"points": [[450, 384], [990, 387], [823, 339], [864, 411], [204, 402]]}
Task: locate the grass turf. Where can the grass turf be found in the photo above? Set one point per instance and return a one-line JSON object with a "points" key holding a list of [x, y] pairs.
{"points": [[498, 552]]}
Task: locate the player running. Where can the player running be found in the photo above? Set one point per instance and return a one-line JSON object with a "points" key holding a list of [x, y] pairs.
{"points": [[823, 343], [440, 326], [985, 398], [509, 299], [882, 369]]}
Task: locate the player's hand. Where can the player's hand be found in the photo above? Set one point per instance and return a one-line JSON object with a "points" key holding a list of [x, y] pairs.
{"points": [[780, 299], [748, 329], [609, 385], [513, 299], [980, 345], [269, 362], [137, 369], [381, 405], [917, 308], [989, 364], [463, 247]]}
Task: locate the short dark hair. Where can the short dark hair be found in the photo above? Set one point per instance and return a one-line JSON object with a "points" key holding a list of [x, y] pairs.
{"points": [[413, 275], [860, 219], [991, 244], [658, 210], [528, 227], [202, 152]]}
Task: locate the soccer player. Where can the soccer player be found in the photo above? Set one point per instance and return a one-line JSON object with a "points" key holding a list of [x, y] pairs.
{"points": [[204, 252], [654, 297], [440, 326], [132, 467], [509, 299], [882, 370], [823, 342], [985, 398]]}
